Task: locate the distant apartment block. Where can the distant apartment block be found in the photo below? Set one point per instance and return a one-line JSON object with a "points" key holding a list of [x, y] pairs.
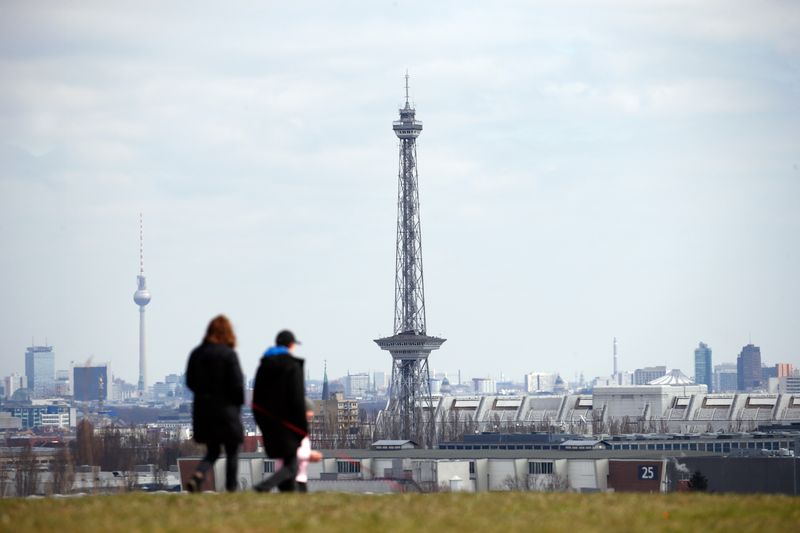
{"points": [[539, 382], [784, 369], [484, 386], [13, 383], [643, 376], [725, 378], [785, 385], [43, 415], [356, 385]]}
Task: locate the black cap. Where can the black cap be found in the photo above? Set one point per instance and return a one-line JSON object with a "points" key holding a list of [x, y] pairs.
{"points": [[285, 338]]}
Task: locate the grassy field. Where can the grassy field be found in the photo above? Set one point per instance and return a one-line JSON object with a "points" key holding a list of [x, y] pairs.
{"points": [[412, 512]]}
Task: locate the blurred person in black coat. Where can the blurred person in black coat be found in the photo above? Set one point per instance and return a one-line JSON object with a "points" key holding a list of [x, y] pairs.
{"points": [[215, 377], [279, 409]]}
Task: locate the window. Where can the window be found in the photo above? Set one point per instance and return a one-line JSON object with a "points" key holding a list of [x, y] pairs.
{"points": [[540, 467], [348, 467], [269, 467], [472, 467]]}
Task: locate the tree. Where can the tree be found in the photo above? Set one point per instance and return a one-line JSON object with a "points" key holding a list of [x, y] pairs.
{"points": [[6, 477], [86, 442], [63, 473], [698, 482], [26, 474]]}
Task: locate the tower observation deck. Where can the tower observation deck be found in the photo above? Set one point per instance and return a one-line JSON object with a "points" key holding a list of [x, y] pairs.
{"points": [[409, 411]]}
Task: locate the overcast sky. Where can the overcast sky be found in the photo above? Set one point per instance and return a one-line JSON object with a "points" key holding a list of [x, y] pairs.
{"points": [[587, 170]]}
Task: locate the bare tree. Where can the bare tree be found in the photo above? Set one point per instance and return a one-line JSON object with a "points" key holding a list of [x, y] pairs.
{"points": [[512, 483], [554, 483], [26, 474], [86, 442], [62, 471], [6, 477]]}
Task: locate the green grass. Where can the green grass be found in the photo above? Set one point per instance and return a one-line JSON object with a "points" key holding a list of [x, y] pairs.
{"points": [[403, 512]]}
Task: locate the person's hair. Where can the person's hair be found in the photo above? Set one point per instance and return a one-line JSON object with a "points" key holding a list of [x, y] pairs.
{"points": [[220, 331]]}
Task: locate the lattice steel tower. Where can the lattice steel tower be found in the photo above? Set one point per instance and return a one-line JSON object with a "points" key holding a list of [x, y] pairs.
{"points": [[409, 412]]}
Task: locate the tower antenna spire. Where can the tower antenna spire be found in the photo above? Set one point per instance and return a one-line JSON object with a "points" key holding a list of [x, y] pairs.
{"points": [[406, 87], [141, 246]]}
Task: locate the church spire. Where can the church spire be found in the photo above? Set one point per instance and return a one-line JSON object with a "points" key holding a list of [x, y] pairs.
{"points": [[326, 394]]}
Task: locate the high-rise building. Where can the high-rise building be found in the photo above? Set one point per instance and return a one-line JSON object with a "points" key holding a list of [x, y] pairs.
{"points": [[748, 368], [784, 369], [703, 372], [725, 378], [40, 368], [643, 376], [91, 383]]}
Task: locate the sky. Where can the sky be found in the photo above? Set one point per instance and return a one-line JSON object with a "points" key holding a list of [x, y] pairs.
{"points": [[587, 170]]}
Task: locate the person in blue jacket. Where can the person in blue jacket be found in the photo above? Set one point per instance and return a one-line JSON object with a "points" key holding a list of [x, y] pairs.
{"points": [[279, 409]]}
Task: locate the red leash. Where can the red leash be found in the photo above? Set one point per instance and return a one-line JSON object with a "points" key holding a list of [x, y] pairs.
{"points": [[287, 425]]}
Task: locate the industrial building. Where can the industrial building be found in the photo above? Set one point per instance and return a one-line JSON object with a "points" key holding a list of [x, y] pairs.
{"points": [[659, 463]]}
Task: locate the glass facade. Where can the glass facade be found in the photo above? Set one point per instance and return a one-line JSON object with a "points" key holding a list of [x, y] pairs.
{"points": [[748, 366], [90, 383], [40, 369], [703, 371]]}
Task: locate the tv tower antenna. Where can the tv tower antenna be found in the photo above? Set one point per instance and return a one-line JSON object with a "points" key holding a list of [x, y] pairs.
{"points": [[409, 411], [141, 297]]}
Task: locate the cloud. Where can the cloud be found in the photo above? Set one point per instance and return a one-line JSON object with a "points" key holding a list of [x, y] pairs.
{"points": [[569, 149]]}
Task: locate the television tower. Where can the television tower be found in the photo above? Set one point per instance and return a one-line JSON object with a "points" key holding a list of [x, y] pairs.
{"points": [[410, 346], [615, 358], [142, 298]]}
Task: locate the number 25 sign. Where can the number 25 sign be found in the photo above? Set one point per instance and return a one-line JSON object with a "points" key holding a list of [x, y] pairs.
{"points": [[648, 472]]}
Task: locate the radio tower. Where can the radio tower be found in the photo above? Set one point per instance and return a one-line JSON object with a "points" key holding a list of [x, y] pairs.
{"points": [[142, 298], [410, 346]]}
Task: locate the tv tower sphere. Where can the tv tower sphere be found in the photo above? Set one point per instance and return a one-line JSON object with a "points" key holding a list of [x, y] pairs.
{"points": [[141, 296]]}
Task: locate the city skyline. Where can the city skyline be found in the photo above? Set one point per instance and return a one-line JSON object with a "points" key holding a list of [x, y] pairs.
{"points": [[629, 173], [453, 375]]}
